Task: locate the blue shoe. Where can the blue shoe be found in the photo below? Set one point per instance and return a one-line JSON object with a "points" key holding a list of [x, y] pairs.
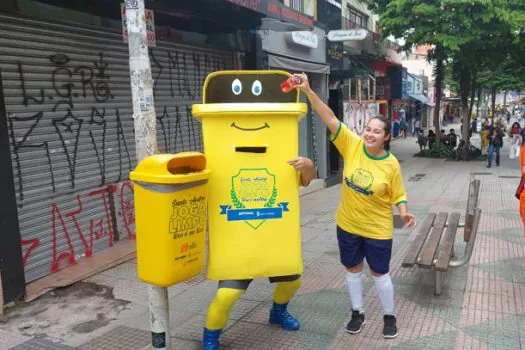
{"points": [[210, 339], [279, 315]]}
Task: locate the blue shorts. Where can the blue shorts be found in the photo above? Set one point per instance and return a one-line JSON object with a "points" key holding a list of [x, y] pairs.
{"points": [[353, 249]]}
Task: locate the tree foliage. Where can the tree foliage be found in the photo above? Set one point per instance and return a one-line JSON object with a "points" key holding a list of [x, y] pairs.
{"points": [[480, 43]]}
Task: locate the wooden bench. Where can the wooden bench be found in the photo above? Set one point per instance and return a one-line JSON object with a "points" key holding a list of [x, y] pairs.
{"points": [[433, 247]]}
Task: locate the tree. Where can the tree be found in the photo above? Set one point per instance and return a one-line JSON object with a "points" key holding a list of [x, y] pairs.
{"points": [[468, 35]]}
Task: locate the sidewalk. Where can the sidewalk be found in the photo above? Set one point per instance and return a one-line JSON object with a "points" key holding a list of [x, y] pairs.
{"points": [[482, 306]]}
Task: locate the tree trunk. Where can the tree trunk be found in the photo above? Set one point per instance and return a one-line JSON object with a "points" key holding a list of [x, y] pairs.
{"points": [[465, 88], [480, 90], [504, 100], [466, 121], [493, 104], [440, 77]]}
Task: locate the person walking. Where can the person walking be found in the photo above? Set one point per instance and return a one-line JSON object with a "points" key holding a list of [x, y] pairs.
{"points": [[515, 141], [417, 127], [372, 184], [403, 126], [495, 137]]}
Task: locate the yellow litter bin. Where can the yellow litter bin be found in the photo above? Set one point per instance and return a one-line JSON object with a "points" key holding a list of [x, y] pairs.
{"points": [[250, 131], [170, 216]]}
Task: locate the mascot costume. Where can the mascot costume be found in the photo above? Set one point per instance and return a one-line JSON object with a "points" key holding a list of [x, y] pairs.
{"points": [[250, 131]]}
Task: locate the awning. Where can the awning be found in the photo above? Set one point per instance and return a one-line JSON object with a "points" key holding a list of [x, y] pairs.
{"points": [[296, 65], [353, 67], [420, 98]]}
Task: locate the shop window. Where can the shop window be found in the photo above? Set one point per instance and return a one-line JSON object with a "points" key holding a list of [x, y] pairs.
{"points": [[353, 89], [297, 5], [355, 19], [362, 89], [308, 7]]}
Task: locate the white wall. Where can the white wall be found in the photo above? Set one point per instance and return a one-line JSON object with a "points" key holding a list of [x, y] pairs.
{"points": [[420, 67]]}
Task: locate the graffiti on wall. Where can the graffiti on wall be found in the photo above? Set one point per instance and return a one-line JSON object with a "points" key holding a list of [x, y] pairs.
{"points": [[78, 128], [357, 115]]}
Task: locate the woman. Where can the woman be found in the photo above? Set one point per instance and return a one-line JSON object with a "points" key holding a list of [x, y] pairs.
{"points": [[403, 127], [495, 137], [372, 183], [515, 134], [431, 139], [485, 130]]}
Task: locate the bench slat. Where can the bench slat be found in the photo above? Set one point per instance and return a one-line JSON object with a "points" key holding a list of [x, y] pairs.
{"points": [[415, 247], [426, 256], [447, 243]]}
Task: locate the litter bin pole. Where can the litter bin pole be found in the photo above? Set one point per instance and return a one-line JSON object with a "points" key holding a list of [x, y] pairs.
{"points": [[159, 317], [170, 192]]}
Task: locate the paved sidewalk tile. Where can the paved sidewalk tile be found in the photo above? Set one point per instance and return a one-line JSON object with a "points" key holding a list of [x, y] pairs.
{"points": [[482, 305]]}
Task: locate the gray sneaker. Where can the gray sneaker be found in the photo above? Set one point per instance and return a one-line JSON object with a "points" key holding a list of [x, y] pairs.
{"points": [[390, 328], [356, 323]]}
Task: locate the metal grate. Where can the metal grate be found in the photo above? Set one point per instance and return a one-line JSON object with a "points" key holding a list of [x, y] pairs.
{"points": [[41, 344], [68, 100], [417, 177], [119, 338]]}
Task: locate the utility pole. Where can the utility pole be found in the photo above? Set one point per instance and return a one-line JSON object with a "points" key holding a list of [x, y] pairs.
{"points": [[146, 144]]}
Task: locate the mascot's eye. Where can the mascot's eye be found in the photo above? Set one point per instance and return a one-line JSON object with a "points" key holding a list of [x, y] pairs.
{"points": [[256, 88], [237, 87]]}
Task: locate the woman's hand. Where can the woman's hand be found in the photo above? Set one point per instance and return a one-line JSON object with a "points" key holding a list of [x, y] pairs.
{"points": [[409, 219], [305, 84], [325, 113]]}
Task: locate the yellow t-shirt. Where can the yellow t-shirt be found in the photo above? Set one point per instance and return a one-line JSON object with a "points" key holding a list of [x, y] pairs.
{"points": [[371, 185]]}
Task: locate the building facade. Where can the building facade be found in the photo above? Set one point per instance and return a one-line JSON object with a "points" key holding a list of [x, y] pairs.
{"points": [[67, 132]]}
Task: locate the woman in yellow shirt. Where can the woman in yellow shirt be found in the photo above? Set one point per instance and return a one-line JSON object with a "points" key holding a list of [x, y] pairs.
{"points": [[372, 183]]}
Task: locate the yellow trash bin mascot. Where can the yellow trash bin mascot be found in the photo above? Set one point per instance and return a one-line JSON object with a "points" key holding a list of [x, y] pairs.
{"points": [[250, 134]]}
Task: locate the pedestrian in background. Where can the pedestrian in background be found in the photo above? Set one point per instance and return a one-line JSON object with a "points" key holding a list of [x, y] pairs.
{"points": [[515, 142], [417, 127], [372, 184], [495, 137]]}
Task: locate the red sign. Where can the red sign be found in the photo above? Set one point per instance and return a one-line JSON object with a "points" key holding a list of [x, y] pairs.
{"points": [[150, 25]]}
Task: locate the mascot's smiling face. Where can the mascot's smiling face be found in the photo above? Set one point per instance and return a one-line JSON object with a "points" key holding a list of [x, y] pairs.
{"points": [[248, 88]]}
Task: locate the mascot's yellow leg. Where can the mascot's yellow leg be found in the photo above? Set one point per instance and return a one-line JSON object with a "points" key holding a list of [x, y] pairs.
{"points": [[285, 291], [219, 310]]}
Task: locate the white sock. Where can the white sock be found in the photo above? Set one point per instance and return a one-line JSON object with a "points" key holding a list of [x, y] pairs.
{"points": [[385, 289], [354, 282]]}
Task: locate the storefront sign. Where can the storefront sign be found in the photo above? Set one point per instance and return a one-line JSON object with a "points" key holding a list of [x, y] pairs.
{"points": [[347, 35], [308, 39], [150, 26], [277, 10], [334, 55], [336, 3]]}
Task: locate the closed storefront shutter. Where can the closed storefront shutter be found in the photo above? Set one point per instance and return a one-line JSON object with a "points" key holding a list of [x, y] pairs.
{"points": [[68, 100]]}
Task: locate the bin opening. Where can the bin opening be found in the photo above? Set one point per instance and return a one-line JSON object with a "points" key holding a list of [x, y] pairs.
{"points": [[186, 165], [253, 149]]}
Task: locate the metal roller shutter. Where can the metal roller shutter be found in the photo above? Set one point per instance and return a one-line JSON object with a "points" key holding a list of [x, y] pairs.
{"points": [[68, 100]]}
